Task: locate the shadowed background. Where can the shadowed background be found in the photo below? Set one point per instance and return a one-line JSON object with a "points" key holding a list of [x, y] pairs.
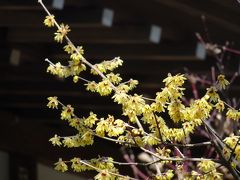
{"points": [[153, 38]]}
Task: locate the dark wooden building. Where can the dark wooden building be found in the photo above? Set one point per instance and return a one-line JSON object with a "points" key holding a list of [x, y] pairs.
{"points": [[153, 37]]}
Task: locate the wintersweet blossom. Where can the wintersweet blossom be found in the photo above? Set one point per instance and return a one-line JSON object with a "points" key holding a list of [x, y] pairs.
{"points": [[222, 82], [147, 123], [67, 112], [61, 33], [61, 165], [206, 165], [49, 21], [53, 102], [55, 140]]}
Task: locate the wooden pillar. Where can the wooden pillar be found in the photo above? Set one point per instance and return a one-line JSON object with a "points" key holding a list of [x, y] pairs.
{"points": [[4, 165]]}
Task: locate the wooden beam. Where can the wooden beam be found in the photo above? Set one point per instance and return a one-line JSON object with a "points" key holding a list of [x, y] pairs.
{"points": [[81, 35], [149, 52], [37, 70], [232, 6], [34, 17], [195, 12], [33, 4], [178, 15], [137, 52]]}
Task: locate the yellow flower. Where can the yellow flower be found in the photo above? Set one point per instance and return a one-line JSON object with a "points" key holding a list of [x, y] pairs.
{"points": [[58, 37], [133, 83], [177, 80], [51, 69], [102, 127], [169, 174], [108, 65], [174, 134], [75, 79], [68, 142], [148, 115], [165, 176], [100, 67], [212, 93], [59, 70], [61, 165], [220, 105], [120, 97], [162, 97], [222, 82], [67, 112], [78, 55], [49, 21], [231, 141], [104, 87], [77, 166], [112, 64], [91, 86], [233, 114], [115, 131], [114, 78], [53, 102], [55, 140], [61, 33], [76, 68], [206, 165], [123, 88], [69, 48], [237, 152], [80, 50], [90, 121], [200, 109], [164, 153], [175, 111], [158, 107], [115, 127], [86, 138], [104, 175], [188, 127], [150, 140], [226, 152], [76, 123], [134, 105]]}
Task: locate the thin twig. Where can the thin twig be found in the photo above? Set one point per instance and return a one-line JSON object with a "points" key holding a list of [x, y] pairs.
{"points": [[137, 172], [219, 151], [161, 158], [189, 145], [233, 150], [100, 170]]}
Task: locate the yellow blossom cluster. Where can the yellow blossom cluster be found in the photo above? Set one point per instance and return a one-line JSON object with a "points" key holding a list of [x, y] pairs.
{"points": [[113, 127], [232, 146], [78, 166], [233, 114], [207, 170], [144, 123], [104, 166], [73, 69], [49, 21], [52, 102], [67, 112], [164, 152], [107, 65], [61, 33], [165, 176], [222, 83], [61, 165], [75, 65]]}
